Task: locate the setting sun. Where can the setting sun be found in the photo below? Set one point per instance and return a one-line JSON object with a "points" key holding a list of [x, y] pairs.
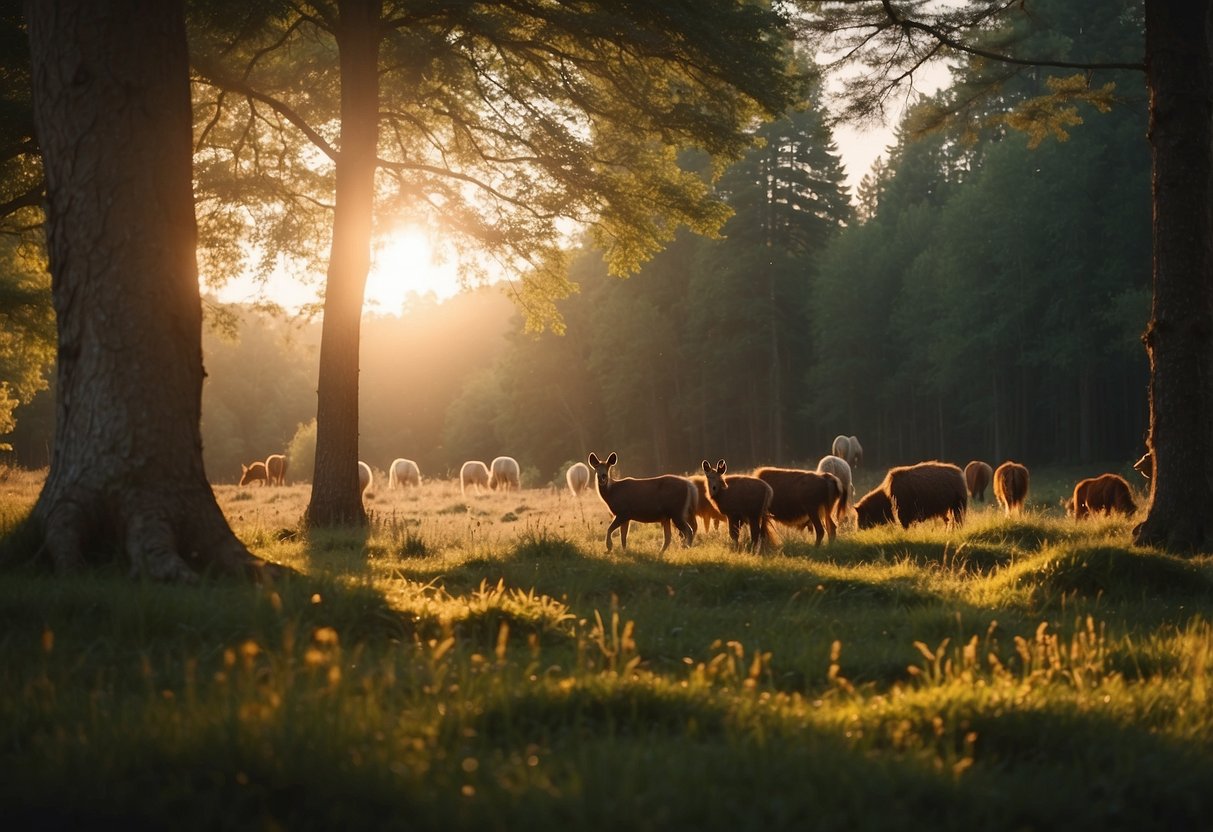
{"points": [[406, 263]]}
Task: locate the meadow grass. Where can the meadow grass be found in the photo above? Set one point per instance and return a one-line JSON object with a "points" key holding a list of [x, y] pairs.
{"points": [[483, 661]]}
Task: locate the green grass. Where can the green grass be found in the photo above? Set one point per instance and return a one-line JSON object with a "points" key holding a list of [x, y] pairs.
{"points": [[486, 663]]}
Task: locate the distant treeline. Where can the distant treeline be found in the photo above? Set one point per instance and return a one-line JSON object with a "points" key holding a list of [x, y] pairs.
{"points": [[985, 300]]}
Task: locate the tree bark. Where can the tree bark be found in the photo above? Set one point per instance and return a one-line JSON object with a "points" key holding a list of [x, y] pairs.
{"points": [[336, 495], [112, 112], [1179, 338]]}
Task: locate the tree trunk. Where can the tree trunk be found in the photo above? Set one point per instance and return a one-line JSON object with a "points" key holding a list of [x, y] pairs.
{"points": [[1179, 338], [336, 495], [112, 112]]}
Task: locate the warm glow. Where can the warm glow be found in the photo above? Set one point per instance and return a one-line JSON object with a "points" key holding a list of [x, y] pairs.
{"points": [[403, 264]]}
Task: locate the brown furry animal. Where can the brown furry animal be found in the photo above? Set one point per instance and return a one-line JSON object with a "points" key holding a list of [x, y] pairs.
{"points": [[1011, 486], [254, 473], [665, 500], [275, 468], [1106, 493], [977, 479], [704, 510], [914, 493], [741, 499], [802, 498]]}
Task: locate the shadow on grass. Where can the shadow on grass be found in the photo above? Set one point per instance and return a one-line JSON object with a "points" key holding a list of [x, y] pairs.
{"points": [[1113, 574]]}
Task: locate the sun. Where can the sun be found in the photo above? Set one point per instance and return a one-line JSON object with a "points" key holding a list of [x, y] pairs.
{"points": [[404, 263]]}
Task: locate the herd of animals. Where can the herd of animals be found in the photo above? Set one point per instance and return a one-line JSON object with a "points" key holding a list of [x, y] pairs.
{"points": [[822, 498]]}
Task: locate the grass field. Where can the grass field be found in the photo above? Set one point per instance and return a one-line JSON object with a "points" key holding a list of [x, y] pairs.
{"points": [[485, 663]]}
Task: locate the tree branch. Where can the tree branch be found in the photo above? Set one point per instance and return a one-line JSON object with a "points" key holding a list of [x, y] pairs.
{"points": [[32, 198], [909, 24], [212, 75]]}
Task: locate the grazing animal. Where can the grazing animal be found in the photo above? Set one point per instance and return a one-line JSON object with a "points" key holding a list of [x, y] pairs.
{"points": [[403, 472], [978, 475], [254, 473], [913, 493], [275, 469], [1105, 494], [1011, 486], [840, 468], [804, 498], [1145, 465], [848, 448], [504, 474], [666, 500], [741, 499], [365, 478], [474, 472], [578, 477], [704, 509]]}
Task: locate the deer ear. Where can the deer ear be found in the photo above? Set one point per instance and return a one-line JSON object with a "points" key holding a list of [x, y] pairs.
{"points": [[706, 467], [613, 458], [594, 460], [721, 467]]}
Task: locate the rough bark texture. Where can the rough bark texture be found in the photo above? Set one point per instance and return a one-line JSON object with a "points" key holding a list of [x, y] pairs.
{"points": [[336, 496], [112, 111], [1179, 339]]}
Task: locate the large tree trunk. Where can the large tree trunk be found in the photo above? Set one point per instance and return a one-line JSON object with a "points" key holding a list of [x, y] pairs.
{"points": [[112, 112], [1179, 339], [336, 496]]}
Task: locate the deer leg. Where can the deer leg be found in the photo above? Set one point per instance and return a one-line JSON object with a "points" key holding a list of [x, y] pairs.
{"points": [[621, 524], [735, 533], [687, 529], [817, 529], [756, 534], [831, 526]]}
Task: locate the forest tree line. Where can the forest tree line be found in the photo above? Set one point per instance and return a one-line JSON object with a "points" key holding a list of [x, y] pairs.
{"points": [[984, 300]]}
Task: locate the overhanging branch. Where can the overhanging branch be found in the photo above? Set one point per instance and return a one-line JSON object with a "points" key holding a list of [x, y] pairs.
{"points": [[948, 40]]}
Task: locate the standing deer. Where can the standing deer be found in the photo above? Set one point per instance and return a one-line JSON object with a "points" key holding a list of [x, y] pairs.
{"points": [[741, 498], [666, 500]]}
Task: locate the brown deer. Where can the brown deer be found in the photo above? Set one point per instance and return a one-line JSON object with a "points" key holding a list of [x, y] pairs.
{"points": [[704, 510], [666, 500], [741, 498]]}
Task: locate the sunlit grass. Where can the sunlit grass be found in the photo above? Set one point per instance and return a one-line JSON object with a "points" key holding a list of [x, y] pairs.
{"points": [[482, 660]]}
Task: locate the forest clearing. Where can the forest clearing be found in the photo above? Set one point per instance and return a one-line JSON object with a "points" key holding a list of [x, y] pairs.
{"points": [[483, 661]]}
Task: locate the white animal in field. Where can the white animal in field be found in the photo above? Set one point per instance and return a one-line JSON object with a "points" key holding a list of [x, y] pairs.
{"points": [[848, 448], [504, 474], [578, 477], [473, 473], [365, 477], [840, 468], [403, 472]]}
